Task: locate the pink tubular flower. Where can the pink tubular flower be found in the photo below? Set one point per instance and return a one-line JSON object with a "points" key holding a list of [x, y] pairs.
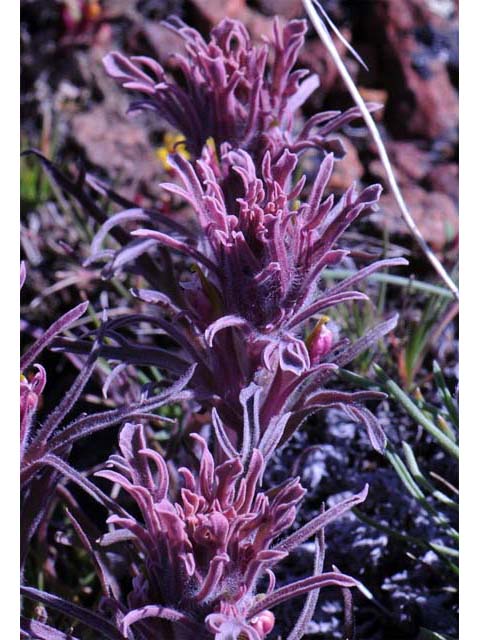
{"points": [[263, 623], [30, 391]]}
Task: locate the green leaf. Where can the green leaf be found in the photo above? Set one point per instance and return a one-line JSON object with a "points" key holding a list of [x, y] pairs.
{"points": [[395, 392]]}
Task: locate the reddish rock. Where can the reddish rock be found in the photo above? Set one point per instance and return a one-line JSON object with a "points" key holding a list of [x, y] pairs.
{"points": [[349, 169], [118, 145], [434, 213], [444, 178], [286, 8], [410, 163], [426, 102], [216, 10]]}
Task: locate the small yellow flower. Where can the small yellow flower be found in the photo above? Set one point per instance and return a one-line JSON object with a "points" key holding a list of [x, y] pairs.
{"points": [[210, 144], [172, 143], [93, 10]]}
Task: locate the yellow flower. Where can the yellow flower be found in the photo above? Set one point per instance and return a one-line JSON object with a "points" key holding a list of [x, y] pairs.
{"points": [[172, 143], [93, 10]]}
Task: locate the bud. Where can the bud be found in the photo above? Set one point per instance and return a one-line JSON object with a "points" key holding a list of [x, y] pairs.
{"points": [[320, 341], [263, 623]]}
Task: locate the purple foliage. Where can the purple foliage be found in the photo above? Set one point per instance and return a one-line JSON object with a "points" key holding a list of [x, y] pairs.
{"points": [[242, 297], [258, 251], [266, 256], [229, 94], [205, 554], [242, 314], [45, 447]]}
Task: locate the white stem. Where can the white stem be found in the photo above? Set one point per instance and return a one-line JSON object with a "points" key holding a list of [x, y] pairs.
{"points": [[382, 152]]}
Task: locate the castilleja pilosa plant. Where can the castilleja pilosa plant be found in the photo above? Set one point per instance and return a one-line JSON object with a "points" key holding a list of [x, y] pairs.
{"points": [[241, 294], [251, 270], [205, 554], [228, 94]]}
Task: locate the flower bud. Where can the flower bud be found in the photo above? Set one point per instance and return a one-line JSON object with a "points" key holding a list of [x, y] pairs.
{"points": [[263, 623], [320, 341]]}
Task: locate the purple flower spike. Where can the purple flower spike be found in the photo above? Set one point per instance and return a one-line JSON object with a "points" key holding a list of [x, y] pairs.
{"points": [[205, 554], [256, 284], [229, 94], [266, 259]]}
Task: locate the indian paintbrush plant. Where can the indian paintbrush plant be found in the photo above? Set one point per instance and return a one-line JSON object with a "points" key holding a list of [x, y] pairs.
{"points": [[239, 302], [229, 96], [205, 554], [243, 315], [201, 558]]}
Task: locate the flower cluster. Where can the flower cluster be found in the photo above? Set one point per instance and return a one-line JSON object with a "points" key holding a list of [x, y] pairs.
{"points": [[243, 314], [205, 555], [229, 95]]}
